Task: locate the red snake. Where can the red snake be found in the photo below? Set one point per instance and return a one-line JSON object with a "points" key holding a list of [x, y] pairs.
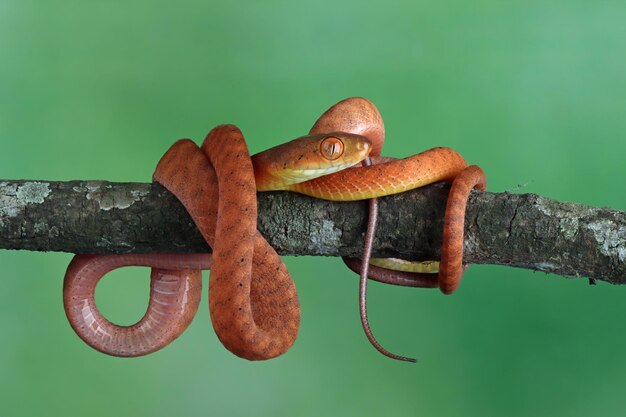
{"points": [[253, 302]]}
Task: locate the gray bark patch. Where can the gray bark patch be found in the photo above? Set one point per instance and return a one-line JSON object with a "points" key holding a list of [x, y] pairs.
{"points": [[611, 239], [328, 237], [109, 197], [33, 192], [8, 202], [14, 198]]}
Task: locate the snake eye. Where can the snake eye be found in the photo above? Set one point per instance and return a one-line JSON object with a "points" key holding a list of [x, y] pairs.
{"points": [[331, 148]]}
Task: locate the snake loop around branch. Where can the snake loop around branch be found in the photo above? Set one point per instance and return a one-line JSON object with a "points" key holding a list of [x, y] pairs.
{"points": [[252, 298]]}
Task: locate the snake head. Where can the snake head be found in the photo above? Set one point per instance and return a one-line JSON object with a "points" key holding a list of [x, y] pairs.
{"points": [[308, 157]]}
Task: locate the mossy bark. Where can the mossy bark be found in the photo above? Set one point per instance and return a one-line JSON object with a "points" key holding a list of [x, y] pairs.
{"points": [[521, 230]]}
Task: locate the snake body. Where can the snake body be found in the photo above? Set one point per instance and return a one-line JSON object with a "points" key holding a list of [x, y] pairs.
{"points": [[252, 298]]}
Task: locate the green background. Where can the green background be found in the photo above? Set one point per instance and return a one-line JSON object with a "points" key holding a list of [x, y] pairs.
{"points": [[533, 91]]}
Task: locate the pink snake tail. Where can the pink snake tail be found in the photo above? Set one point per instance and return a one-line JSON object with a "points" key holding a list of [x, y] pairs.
{"points": [[174, 299]]}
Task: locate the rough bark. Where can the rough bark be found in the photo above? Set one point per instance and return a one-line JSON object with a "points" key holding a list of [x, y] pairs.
{"points": [[521, 230]]}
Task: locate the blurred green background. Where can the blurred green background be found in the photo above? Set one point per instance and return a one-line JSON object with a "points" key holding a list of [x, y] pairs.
{"points": [[533, 91]]}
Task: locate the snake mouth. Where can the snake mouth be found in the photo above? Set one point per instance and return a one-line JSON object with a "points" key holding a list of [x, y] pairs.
{"points": [[301, 175]]}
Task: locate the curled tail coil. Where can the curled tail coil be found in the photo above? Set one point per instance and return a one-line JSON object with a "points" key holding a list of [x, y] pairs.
{"points": [[174, 299]]}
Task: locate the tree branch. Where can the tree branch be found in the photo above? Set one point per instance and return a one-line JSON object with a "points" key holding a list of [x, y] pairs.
{"points": [[521, 230]]}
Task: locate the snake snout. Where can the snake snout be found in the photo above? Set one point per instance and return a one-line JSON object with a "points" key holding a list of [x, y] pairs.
{"points": [[365, 144], [357, 147]]}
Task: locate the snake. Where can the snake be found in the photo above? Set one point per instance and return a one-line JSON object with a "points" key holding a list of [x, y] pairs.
{"points": [[253, 302]]}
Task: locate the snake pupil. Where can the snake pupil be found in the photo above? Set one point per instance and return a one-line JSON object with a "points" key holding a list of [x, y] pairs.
{"points": [[331, 148]]}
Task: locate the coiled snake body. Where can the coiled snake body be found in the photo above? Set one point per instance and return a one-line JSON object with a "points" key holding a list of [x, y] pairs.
{"points": [[252, 298]]}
